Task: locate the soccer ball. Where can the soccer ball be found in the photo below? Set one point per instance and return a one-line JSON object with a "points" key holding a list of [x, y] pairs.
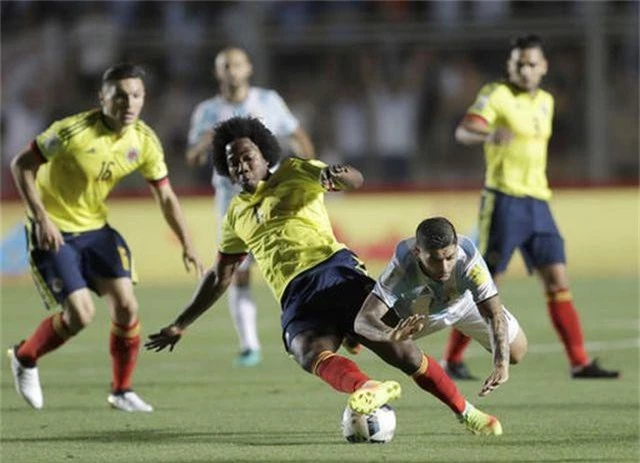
{"points": [[377, 427]]}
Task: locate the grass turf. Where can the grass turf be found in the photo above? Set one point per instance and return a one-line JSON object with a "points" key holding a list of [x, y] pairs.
{"points": [[209, 411]]}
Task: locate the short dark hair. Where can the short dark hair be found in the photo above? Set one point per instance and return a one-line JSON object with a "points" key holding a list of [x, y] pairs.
{"points": [[525, 41], [435, 233], [243, 127], [123, 71]]}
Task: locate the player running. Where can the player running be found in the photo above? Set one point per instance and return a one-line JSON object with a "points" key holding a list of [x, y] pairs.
{"points": [[64, 179], [441, 277]]}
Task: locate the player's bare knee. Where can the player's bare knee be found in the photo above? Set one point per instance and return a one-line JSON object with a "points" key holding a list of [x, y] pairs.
{"points": [[78, 315], [409, 358], [518, 348]]}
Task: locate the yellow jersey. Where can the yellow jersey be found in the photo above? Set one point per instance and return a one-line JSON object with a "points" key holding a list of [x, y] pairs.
{"points": [[517, 168], [284, 224], [85, 160]]}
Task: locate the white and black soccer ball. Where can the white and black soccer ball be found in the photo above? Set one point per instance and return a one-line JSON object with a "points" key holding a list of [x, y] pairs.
{"points": [[378, 427]]}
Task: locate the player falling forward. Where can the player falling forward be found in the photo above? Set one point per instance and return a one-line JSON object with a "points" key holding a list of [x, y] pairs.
{"points": [[232, 70], [513, 121], [441, 276], [64, 178], [280, 217]]}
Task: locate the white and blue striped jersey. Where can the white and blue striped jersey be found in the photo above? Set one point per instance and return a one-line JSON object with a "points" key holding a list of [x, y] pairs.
{"points": [[404, 287]]}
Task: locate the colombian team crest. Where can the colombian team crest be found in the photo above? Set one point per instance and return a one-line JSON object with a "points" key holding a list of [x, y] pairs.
{"points": [[133, 154]]}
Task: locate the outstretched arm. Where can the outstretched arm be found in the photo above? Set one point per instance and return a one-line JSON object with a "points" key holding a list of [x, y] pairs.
{"points": [[341, 177], [24, 168], [369, 322], [491, 310], [172, 212], [475, 130], [213, 284]]}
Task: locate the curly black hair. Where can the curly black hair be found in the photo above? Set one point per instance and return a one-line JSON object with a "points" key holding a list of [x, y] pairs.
{"points": [[436, 233], [243, 127]]}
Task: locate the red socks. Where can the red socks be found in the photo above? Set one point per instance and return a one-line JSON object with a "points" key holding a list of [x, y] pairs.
{"points": [[567, 324], [124, 344], [456, 346], [345, 376], [432, 378], [49, 335], [340, 372]]}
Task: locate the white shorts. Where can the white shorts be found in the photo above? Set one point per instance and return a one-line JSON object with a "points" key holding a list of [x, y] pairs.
{"points": [[467, 319]]}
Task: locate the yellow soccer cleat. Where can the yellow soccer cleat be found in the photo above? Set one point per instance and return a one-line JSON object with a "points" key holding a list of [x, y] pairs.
{"points": [[480, 423], [373, 395]]}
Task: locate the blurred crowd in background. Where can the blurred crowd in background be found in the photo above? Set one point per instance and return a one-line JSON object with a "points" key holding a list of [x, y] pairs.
{"points": [[380, 84]]}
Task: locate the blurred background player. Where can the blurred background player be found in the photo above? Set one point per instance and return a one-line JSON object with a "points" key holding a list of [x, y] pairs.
{"points": [[233, 69], [442, 277], [513, 120], [64, 178], [319, 282]]}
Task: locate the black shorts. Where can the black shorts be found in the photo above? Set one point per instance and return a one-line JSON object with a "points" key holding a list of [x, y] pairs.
{"points": [[83, 258], [325, 298]]}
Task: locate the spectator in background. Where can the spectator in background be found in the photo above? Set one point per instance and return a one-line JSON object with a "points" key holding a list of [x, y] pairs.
{"points": [[394, 101], [64, 178], [97, 38], [350, 119], [233, 70], [513, 121]]}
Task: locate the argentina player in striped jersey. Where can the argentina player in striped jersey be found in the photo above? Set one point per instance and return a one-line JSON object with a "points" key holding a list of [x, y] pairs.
{"points": [[441, 278], [236, 97]]}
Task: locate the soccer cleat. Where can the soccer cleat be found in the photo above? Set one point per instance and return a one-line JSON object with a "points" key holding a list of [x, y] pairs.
{"points": [[594, 371], [351, 345], [248, 358], [26, 380], [374, 394], [128, 401], [457, 370], [480, 423]]}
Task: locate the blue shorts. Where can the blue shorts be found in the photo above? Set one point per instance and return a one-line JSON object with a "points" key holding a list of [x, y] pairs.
{"points": [[84, 257], [325, 298], [508, 223]]}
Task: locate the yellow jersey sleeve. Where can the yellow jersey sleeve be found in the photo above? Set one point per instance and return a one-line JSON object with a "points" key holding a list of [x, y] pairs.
{"points": [[485, 104], [153, 165], [50, 142]]}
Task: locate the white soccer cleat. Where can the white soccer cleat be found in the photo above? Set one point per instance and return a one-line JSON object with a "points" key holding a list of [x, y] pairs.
{"points": [[26, 380], [128, 401]]}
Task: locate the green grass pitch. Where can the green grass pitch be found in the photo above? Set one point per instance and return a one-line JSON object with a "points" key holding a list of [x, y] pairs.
{"points": [[209, 411]]}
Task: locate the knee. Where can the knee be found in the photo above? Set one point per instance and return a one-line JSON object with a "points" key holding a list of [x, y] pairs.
{"points": [[412, 361], [518, 349], [304, 357], [407, 359], [78, 315], [307, 360], [126, 310]]}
